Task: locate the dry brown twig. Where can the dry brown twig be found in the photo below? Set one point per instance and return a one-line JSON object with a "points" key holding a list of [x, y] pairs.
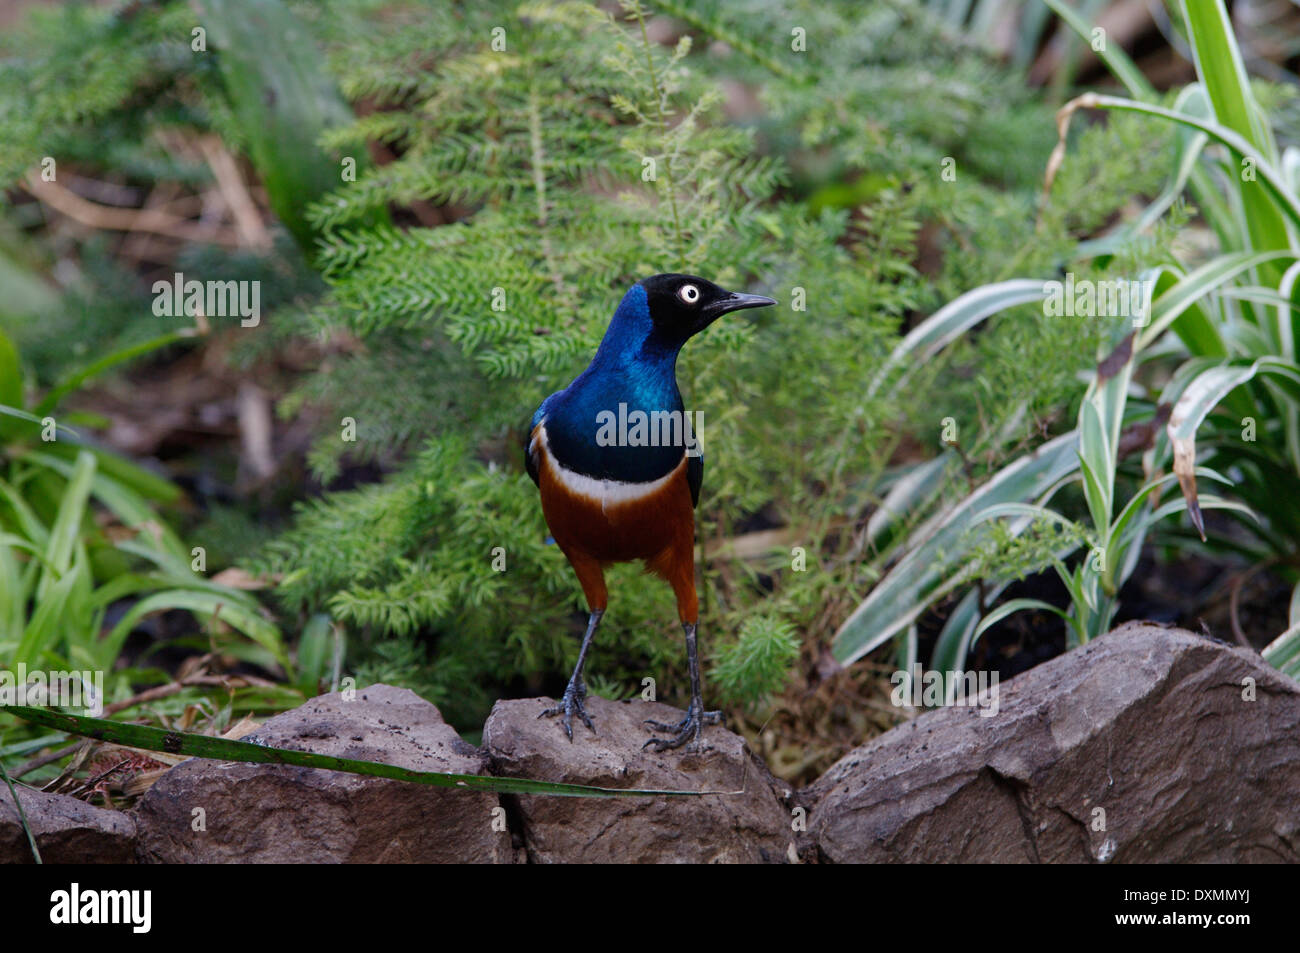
{"points": [[108, 218], [1234, 599], [248, 219]]}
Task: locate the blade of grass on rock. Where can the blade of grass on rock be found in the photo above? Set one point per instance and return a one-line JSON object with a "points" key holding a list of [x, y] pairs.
{"points": [[149, 738]]}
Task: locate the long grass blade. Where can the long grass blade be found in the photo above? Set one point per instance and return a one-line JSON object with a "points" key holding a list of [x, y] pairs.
{"points": [[955, 318], [943, 544], [149, 738], [22, 816]]}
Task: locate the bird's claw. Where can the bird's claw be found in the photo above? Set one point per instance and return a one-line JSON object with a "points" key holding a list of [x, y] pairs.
{"points": [[686, 732], [706, 717], [570, 703]]}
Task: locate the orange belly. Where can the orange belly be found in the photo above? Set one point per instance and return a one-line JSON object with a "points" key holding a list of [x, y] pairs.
{"points": [[598, 522], [612, 528]]}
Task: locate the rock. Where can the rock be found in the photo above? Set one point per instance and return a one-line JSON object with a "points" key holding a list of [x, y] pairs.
{"points": [[1141, 747], [285, 814], [749, 826], [68, 831]]}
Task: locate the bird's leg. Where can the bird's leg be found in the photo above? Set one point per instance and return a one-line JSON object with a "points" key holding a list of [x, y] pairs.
{"points": [[577, 688], [687, 731]]}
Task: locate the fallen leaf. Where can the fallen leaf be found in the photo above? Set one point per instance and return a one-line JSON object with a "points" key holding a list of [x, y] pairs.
{"points": [[236, 578]]}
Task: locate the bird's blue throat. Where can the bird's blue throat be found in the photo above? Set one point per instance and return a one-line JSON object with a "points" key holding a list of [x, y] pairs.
{"points": [[634, 367]]}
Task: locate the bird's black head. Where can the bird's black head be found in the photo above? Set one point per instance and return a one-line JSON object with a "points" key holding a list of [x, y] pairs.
{"points": [[683, 305]]}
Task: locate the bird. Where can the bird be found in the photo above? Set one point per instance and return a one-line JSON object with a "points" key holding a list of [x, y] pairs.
{"points": [[611, 493]]}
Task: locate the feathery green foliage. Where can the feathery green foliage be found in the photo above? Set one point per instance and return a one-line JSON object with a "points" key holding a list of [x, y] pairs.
{"points": [[536, 160], [589, 157]]}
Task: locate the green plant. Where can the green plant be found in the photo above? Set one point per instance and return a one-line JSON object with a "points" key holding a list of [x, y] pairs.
{"points": [[758, 663], [575, 102], [1114, 540], [574, 156], [149, 738], [1220, 332], [547, 143], [80, 534], [107, 77]]}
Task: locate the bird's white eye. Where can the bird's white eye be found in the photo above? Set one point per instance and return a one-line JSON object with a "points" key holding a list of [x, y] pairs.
{"points": [[690, 294]]}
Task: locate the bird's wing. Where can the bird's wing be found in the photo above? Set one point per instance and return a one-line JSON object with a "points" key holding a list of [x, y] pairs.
{"points": [[532, 462], [695, 476]]}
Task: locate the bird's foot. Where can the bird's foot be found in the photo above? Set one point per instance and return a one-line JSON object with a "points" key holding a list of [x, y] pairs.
{"points": [[569, 704], [686, 732]]}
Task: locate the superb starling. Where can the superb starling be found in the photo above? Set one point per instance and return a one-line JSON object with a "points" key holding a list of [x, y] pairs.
{"points": [[619, 468]]}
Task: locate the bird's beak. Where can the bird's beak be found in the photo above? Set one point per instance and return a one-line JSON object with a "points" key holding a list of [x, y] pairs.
{"points": [[735, 301]]}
